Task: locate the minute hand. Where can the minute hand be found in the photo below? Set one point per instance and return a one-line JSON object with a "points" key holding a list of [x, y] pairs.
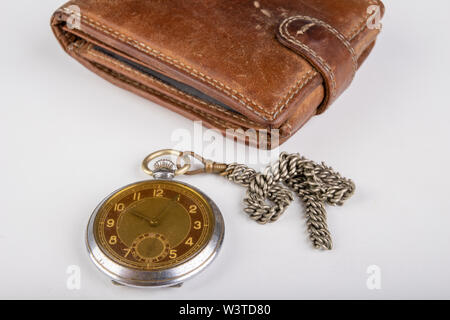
{"points": [[163, 211]]}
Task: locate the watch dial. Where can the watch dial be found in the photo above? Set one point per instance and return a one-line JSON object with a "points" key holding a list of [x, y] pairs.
{"points": [[154, 225]]}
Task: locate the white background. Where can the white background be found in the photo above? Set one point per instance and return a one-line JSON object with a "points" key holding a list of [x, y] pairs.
{"points": [[68, 138]]}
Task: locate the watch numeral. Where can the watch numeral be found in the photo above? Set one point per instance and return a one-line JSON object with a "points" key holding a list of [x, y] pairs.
{"points": [[193, 209], [173, 254], [137, 196], [119, 207], [110, 223], [197, 225], [127, 252], [113, 240], [158, 193], [189, 242]]}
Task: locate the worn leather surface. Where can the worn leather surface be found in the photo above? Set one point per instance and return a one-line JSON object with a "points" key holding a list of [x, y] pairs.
{"points": [[275, 63]]}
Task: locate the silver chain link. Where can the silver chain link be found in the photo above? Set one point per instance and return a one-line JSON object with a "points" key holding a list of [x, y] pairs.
{"points": [[315, 184]]}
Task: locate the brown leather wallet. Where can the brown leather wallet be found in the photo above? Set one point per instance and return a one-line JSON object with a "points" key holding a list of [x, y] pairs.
{"points": [[232, 64]]}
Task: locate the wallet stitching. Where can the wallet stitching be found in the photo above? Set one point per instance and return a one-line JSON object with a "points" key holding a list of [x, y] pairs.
{"points": [[117, 63], [335, 32], [194, 72], [354, 33], [285, 33], [139, 45], [363, 25], [298, 86], [218, 121], [120, 37]]}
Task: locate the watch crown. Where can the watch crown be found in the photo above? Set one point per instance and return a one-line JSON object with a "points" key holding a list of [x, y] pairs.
{"points": [[164, 165]]}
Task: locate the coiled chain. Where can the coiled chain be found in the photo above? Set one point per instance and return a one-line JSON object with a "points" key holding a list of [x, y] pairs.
{"points": [[315, 184]]}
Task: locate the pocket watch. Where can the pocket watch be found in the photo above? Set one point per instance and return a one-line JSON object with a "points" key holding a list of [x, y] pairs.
{"points": [[155, 233], [162, 232]]}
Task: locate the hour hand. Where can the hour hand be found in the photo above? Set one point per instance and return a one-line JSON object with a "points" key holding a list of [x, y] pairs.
{"points": [[142, 216]]}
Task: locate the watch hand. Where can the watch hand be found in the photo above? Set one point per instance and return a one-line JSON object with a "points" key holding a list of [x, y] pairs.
{"points": [[140, 215], [155, 220]]}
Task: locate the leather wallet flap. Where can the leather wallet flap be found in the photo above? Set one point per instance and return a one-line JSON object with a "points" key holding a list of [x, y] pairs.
{"points": [[325, 48]]}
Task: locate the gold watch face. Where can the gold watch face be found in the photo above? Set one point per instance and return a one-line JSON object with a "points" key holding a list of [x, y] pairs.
{"points": [[154, 225]]}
